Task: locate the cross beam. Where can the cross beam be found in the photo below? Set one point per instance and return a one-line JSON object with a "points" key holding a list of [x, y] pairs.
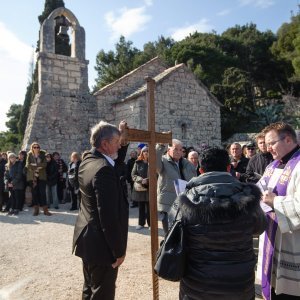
{"points": [[151, 137]]}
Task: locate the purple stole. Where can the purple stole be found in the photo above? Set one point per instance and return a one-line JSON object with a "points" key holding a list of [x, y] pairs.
{"points": [[270, 233]]}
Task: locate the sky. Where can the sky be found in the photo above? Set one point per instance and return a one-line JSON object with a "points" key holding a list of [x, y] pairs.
{"points": [[140, 21]]}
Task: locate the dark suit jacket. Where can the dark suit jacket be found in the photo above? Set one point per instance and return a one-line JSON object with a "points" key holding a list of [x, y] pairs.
{"points": [[101, 229]]}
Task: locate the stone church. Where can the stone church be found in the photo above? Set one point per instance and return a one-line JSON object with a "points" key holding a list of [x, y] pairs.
{"points": [[63, 111]]}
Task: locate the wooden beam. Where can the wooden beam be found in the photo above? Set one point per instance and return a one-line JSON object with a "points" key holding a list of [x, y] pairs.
{"points": [[137, 135]]}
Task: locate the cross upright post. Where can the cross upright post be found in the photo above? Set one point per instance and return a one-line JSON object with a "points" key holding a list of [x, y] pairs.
{"points": [[151, 137]]}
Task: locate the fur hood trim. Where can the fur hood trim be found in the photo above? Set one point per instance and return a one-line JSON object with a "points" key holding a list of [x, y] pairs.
{"points": [[217, 195]]}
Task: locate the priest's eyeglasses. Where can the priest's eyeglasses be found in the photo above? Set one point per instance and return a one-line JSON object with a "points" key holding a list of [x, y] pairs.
{"points": [[271, 144]]}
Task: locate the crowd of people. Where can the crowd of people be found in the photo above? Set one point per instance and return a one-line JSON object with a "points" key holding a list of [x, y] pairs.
{"points": [[50, 179], [230, 195], [222, 207]]}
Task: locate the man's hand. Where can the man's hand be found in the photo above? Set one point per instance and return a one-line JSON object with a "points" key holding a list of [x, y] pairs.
{"points": [[123, 138], [268, 198], [122, 126], [118, 262]]}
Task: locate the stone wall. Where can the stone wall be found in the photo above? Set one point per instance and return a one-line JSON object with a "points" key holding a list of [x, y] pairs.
{"points": [[62, 74], [122, 87], [179, 100], [241, 138], [61, 123]]}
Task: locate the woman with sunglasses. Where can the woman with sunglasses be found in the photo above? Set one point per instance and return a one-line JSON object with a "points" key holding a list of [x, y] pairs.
{"points": [[36, 176]]}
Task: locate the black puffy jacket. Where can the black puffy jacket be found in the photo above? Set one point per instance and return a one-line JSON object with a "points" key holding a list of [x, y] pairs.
{"points": [[221, 215]]}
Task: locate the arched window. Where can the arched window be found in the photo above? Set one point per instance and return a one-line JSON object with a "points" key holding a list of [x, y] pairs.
{"points": [[62, 38]]}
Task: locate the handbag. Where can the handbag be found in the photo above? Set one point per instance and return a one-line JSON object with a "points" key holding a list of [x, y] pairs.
{"points": [[139, 187], [171, 256]]}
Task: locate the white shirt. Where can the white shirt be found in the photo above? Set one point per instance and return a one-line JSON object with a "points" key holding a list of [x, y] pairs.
{"points": [[110, 160]]}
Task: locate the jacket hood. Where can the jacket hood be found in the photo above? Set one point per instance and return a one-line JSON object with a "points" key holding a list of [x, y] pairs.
{"points": [[216, 195]]}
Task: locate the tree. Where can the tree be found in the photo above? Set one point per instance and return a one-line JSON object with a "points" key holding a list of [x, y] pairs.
{"points": [[203, 54], [49, 6], [13, 114], [162, 48], [113, 65], [287, 49], [11, 139]]}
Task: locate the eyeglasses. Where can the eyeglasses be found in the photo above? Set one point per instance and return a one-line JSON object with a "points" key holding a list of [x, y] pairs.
{"points": [[251, 149], [36, 147], [271, 144]]}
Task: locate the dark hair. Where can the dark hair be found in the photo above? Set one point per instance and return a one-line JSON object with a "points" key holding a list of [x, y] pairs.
{"points": [[24, 153], [214, 159], [49, 154]]}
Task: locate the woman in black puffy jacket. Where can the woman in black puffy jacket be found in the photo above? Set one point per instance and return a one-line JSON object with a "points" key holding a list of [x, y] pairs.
{"points": [[221, 215], [13, 179]]}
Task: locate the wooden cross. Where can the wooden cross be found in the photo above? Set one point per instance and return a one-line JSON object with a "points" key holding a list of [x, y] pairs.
{"points": [[151, 137]]}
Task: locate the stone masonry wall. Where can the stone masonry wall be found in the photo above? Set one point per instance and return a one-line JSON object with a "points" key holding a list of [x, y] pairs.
{"points": [[61, 123], [179, 100], [124, 86], [63, 74]]}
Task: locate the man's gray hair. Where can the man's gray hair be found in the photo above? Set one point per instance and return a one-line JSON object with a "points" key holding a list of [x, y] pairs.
{"points": [[103, 131], [175, 142], [192, 153]]}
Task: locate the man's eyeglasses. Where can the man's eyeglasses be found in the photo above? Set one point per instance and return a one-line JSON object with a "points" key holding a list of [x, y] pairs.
{"points": [[251, 149], [271, 144]]}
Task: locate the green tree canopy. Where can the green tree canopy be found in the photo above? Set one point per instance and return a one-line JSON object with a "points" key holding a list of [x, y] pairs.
{"points": [[13, 115], [113, 65], [287, 48]]}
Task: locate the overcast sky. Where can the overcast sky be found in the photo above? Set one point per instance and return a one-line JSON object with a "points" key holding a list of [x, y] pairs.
{"points": [[140, 21]]}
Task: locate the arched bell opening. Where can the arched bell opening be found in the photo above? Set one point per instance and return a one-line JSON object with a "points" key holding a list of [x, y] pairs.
{"points": [[63, 42]]}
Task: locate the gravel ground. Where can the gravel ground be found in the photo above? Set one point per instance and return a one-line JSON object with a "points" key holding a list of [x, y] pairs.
{"points": [[36, 261]]}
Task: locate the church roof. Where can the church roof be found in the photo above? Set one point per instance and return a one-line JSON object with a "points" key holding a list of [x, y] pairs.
{"points": [[162, 76], [111, 85]]}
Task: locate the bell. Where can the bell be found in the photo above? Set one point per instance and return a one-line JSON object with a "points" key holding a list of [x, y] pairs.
{"points": [[63, 32]]}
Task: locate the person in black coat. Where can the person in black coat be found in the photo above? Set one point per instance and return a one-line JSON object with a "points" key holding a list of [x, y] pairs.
{"points": [[73, 183], [14, 181], [22, 158], [51, 183], [101, 229], [2, 171], [258, 163], [220, 217], [238, 161]]}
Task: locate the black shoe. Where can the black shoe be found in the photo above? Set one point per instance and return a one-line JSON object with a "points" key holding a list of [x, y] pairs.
{"points": [[73, 208], [56, 207], [30, 205]]}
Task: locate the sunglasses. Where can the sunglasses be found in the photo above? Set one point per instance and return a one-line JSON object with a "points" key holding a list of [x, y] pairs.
{"points": [[36, 147], [251, 148]]}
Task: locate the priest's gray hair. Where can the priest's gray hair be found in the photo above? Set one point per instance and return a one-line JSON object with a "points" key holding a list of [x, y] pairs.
{"points": [[103, 131]]}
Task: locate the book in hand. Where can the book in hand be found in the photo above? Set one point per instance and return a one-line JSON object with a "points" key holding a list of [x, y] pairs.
{"points": [[179, 185]]}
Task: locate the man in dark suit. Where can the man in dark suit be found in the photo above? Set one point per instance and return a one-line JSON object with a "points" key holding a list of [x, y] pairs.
{"points": [[100, 235]]}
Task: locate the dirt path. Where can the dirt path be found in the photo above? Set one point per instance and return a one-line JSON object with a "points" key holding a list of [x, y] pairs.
{"points": [[36, 261]]}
